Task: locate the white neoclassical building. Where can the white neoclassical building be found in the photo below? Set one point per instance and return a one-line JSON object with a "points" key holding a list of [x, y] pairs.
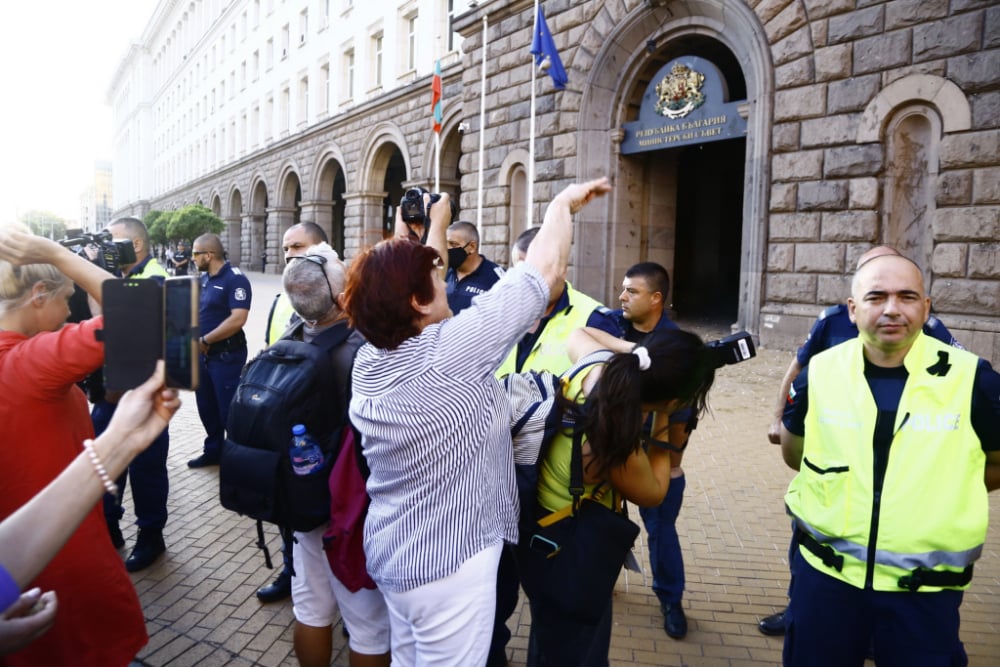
{"points": [[757, 147]]}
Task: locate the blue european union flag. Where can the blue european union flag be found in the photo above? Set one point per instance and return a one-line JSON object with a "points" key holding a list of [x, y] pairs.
{"points": [[544, 49]]}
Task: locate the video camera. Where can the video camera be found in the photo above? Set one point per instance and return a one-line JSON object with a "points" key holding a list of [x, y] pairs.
{"points": [[411, 207], [732, 349], [111, 255]]}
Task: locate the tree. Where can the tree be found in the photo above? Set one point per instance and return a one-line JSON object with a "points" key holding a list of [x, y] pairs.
{"points": [[156, 223], [45, 223], [192, 221]]}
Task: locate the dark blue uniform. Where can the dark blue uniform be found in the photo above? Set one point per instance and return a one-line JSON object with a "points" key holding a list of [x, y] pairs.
{"points": [[462, 291], [148, 470], [222, 293]]}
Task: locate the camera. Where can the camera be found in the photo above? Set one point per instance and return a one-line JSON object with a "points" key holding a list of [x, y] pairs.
{"points": [[411, 206], [111, 255], [732, 349]]}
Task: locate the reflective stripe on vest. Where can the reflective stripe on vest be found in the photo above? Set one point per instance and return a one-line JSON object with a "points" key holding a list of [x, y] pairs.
{"points": [[933, 508], [549, 351]]}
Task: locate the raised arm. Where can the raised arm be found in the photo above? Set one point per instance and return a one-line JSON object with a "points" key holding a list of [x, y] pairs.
{"points": [[549, 252], [20, 248]]}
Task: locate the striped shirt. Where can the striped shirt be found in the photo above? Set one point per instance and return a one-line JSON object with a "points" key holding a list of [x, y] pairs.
{"points": [[436, 434]]}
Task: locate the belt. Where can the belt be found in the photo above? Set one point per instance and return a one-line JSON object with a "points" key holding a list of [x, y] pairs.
{"points": [[237, 341]]}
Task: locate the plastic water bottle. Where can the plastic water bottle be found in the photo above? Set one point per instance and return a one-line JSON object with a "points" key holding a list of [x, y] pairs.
{"points": [[306, 456]]}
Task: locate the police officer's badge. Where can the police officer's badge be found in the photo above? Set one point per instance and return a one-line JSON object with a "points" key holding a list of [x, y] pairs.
{"points": [[680, 92], [240, 294]]}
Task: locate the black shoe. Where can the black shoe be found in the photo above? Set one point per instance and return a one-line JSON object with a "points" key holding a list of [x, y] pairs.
{"points": [[117, 539], [773, 625], [148, 547], [280, 589], [674, 621], [203, 461]]}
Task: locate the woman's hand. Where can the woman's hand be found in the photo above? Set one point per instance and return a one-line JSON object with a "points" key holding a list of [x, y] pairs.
{"points": [[578, 195], [27, 619], [18, 247], [144, 412]]}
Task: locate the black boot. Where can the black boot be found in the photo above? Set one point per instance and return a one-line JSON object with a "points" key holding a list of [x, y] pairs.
{"points": [[148, 547], [280, 589], [117, 539]]}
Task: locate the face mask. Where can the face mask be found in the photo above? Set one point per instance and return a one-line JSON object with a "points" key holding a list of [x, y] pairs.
{"points": [[456, 256]]}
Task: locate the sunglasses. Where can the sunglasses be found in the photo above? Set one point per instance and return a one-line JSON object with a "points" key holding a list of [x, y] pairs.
{"points": [[320, 261]]}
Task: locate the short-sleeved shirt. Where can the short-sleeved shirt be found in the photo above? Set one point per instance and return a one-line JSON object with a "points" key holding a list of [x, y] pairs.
{"points": [[181, 262], [435, 426], [226, 291], [886, 385], [834, 326], [461, 291]]}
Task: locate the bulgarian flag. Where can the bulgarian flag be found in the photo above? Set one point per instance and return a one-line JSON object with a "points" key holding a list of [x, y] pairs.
{"points": [[436, 96]]}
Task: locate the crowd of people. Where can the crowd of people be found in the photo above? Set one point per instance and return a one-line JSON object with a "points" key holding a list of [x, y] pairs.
{"points": [[888, 505]]}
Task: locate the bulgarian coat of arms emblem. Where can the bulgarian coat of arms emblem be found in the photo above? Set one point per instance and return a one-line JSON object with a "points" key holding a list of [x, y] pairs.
{"points": [[680, 92]]}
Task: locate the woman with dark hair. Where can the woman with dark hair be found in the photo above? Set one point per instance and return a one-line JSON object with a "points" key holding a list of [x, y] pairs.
{"points": [[436, 428], [609, 402]]}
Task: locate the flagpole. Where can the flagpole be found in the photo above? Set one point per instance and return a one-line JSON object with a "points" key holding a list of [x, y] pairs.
{"points": [[482, 134], [531, 134]]}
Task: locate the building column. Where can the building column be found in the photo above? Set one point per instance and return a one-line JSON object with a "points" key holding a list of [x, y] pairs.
{"points": [[232, 239], [366, 208], [279, 219], [319, 211], [252, 243]]}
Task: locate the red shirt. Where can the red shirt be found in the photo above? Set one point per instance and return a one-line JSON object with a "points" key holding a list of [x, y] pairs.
{"points": [[43, 422]]}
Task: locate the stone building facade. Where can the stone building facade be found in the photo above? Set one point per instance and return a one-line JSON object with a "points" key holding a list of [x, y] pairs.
{"points": [[866, 122]]}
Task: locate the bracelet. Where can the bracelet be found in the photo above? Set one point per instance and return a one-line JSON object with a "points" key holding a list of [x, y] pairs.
{"points": [[102, 472], [202, 341]]}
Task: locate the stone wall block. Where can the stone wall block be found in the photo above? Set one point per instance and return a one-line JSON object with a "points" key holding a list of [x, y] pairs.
{"points": [[852, 94], [781, 257], [791, 287], [954, 188], [986, 186], [785, 137], [972, 297], [976, 71], [973, 223], [849, 226], [794, 226], [768, 9], [819, 258], [833, 62], [832, 289], [818, 9], [783, 197], [564, 145], [949, 259], [857, 160], [798, 166], [970, 149], [991, 31], [818, 30], [882, 52], [788, 20], [830, 130], [796, 45], [949, 37], [802, 102], [985, 109], [984, 260], [864, 193], [856, 24], [902, 13], [823, 196], [796, 73]]}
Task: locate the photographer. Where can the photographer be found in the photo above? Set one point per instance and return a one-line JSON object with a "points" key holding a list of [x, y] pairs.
{"points": [[435, 426], [40, 362]]}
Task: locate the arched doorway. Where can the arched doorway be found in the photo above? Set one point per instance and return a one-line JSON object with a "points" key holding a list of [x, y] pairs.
{"points": [[254, 241], [395, 176]]}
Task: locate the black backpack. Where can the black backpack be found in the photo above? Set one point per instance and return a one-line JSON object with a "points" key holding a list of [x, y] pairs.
{"points": [[288, 383]]}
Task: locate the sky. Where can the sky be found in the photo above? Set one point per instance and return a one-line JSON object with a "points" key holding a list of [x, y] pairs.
{"points": [[57, 59]]}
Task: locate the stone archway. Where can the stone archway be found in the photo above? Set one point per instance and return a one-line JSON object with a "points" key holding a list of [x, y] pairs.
{"points": [[327, 205], [254, 224], [613, 73], [234, 227], [384, 169]]}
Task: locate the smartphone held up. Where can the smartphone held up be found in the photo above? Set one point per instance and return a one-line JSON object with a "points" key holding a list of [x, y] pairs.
{"points": [[145, 321]]}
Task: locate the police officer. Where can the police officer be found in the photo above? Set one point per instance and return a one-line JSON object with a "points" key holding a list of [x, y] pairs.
{"points": [[148, 471], [896, 437], [469, 273], [224, 307]]}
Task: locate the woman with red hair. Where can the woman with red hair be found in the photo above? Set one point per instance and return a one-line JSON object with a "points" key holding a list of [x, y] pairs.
{"points": [[436, 427]]}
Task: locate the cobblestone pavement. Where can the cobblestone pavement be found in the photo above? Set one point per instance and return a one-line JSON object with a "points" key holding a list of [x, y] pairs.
{"points": [[201, 610]]}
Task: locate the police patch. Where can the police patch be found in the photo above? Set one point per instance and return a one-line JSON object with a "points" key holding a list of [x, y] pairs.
{"points": [[240, 294]]}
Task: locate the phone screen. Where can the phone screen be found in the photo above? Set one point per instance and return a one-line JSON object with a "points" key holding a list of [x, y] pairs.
{"points": [[131, 351], [180, 331]]}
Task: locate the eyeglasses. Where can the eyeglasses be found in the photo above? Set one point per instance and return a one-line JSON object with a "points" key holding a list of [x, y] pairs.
{"points": [[320, 261], [201, 252]]}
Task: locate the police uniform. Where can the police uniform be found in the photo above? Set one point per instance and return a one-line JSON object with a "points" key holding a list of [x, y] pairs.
{"points": [[885, 543], [461, 291], [222, 293], [148, 470]]}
